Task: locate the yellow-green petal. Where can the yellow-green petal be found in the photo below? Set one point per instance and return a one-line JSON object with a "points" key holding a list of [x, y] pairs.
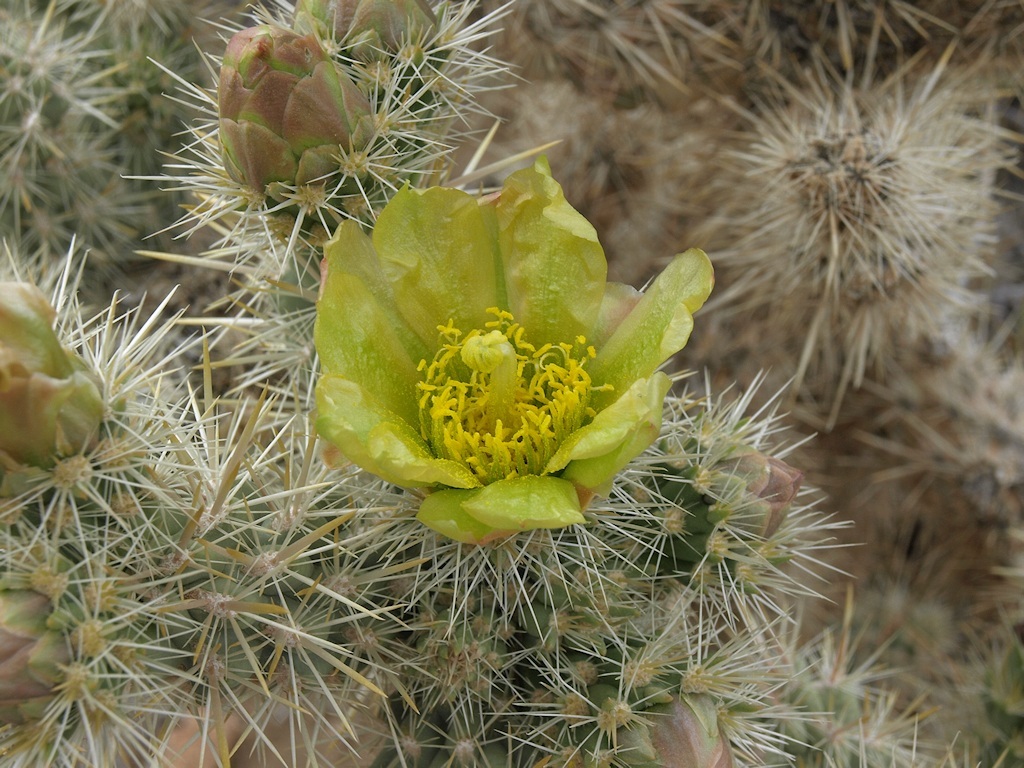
{"points": [[378, 440], [618, 301], [357, 338], [594, 454], [438, 251], [525, 503], [350, 251], [555, 268], [442, 511], [657, 328]]}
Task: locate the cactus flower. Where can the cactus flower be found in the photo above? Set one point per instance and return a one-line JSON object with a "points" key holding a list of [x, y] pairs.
{"points": [[285, 109], [473, 349], [48, 404], [368, 28]]}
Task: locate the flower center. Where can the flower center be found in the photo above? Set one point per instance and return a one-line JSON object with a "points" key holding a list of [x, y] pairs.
{"points": [[498, 405]]}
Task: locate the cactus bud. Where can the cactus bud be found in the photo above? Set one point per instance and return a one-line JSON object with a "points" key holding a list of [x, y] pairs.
{"points": [[771, 480], [30, 655], [48, 405], [369, 28], [687, 735], [285, 109]]}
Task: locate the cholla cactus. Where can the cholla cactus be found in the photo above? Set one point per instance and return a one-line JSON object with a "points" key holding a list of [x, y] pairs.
{"points": [[203, 562], [390, 97], [172, 575], [592, 644], [383, 88], [196, 562]]}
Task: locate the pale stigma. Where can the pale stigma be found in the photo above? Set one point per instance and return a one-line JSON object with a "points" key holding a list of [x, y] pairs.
{"points": [[485, 352]]}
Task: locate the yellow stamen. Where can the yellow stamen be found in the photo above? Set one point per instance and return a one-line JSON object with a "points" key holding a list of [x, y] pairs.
{"points": [[497, 404]]}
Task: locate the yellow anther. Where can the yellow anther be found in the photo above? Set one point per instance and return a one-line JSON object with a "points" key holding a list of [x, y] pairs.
{"points": [[505, 410]]}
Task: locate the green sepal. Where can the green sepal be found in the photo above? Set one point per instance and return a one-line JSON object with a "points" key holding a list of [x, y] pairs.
{"points": [[657, 328], [50, 404], [27, 339], [526, 503], [555, 268], [378, 440], [442, 511], [501, 509], [272, 161], [594, 454], [438, 251], [686, 733], [43, 417]]}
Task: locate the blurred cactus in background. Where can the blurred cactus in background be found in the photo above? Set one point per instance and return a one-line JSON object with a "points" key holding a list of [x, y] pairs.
{"points": [[57, 159], [876, 204], [82, 110]]}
